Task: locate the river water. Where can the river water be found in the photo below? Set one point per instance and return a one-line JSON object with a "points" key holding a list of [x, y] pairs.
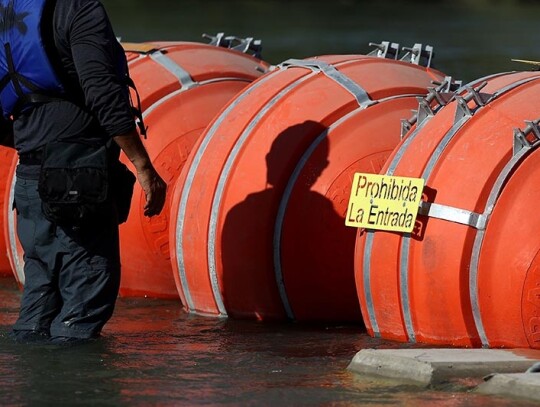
{"points": [[151, 352]]}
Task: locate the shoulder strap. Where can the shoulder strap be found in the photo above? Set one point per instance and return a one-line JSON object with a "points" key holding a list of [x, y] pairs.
{"points": [[136, 109]]}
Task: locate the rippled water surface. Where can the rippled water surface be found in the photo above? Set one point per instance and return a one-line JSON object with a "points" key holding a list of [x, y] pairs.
{"points": [[152, 353]]}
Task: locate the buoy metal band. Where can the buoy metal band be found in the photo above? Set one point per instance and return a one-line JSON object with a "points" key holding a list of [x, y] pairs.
{"points": [[457, 215], [278, 229], [425, 117], [406, 239], [17, 261], [453, 214], [331, 72], [218, 195], [180, 73], [479, 238], [370, 234], [194, 167]]}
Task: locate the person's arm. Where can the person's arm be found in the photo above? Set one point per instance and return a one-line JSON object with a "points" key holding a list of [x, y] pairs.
{"points": [[6, 133], [93, 47], [152, 184]]}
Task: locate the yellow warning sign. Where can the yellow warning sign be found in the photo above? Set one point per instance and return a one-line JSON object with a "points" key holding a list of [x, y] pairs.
{"points": [[384, 202]]}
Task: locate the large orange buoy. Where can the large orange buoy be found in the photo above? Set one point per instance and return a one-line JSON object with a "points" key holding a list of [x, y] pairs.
{"points": [[182, 86], [505, 262], [259, 207], [8, 161], [416, 286]]}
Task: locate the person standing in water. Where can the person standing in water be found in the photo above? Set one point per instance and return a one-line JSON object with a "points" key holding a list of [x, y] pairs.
{"points": [[63, 77]]}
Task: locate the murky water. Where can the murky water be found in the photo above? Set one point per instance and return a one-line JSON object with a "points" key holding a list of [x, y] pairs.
{"points": [[154, 354]]}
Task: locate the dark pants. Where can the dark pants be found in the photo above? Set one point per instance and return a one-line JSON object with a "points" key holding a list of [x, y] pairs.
{"points": [[72, 275]]}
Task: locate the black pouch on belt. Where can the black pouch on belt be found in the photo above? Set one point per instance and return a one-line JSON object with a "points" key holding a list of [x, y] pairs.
{"points": [[74, 183]]}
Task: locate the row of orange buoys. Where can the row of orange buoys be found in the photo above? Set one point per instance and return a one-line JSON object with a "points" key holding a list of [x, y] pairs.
{"points": [[182, 87], [270, 237], [260, 160]]}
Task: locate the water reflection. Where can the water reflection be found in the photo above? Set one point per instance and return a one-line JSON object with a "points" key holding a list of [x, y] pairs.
{"points": [[38, 374], [154, 354]]}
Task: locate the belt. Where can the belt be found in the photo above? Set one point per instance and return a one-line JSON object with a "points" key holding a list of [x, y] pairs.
{"points": [[31, 157]]}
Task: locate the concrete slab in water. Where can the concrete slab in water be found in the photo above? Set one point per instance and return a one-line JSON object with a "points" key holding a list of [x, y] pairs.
{"points": [[432, 366], [523, 385]]}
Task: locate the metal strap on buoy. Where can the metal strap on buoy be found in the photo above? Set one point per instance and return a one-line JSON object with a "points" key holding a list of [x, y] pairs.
{"points": [[184, 199], [218, 194], [17, 260], [331, 72], [432, 102], [525, 142], [278, 229], [417, 55], [244, 45], [247, 45], [183, 76], [463, 114], [406, 125], [185, 79], [316, 67]]}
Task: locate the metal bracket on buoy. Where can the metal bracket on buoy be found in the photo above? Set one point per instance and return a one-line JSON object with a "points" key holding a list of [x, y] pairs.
{"points": [[453, 214], [528, 137], [435, 99], [385, 49], [470, 94], [418, 54], [524, 140], [247, 45]]}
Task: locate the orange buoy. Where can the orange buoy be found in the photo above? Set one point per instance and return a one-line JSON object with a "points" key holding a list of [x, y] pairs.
{"points": [[505, 262], [291, 138], [8, 162], [313, 250], [182, 86], [415, 286]]}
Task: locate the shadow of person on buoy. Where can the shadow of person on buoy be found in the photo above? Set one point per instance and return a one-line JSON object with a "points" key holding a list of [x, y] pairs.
{"points": [[249, 287]]}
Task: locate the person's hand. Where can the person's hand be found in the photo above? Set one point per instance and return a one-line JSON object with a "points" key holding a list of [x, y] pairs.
{"points": [[153, 186], [155, 190]]}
